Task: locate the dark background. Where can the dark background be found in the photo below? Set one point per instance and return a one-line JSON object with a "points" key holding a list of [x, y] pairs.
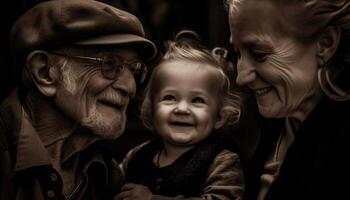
{"points": [[162, 19]]}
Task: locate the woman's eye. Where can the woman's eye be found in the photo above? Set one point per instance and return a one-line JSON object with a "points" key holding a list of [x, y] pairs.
{"points": [[198, 100], [259, 56], [168, 98]]}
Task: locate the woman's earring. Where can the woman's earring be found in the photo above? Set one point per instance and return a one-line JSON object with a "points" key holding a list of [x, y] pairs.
{"points": [[321, 62], [329, 87]]}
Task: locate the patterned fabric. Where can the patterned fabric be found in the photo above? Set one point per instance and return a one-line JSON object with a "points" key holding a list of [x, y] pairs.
{"points": [[206, 172]]}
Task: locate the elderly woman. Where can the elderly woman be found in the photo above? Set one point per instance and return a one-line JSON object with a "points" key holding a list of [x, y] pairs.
{"points": [[295, 56]]}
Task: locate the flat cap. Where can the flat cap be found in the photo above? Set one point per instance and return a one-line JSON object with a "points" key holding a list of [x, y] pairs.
{"points": [[57, 23]]}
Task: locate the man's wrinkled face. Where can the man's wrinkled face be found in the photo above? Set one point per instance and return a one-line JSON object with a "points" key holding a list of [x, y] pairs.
{"points": [[280, 70], [91, 99]]}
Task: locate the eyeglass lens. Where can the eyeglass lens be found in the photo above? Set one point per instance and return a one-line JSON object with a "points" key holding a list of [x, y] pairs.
{"points": [[111, 67]]}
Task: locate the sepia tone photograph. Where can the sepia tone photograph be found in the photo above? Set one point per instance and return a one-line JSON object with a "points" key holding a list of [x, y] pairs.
{"points": [[175, 100]]}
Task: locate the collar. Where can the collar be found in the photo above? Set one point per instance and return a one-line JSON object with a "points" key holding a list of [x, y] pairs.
{"points": [[79, 141], [30, 151]]}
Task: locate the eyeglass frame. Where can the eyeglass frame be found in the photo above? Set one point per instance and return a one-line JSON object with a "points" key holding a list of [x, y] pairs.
{"points": [[101, 61]]}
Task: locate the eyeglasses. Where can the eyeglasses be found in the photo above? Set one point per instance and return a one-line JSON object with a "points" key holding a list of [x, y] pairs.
{"points": [[111, 67]]}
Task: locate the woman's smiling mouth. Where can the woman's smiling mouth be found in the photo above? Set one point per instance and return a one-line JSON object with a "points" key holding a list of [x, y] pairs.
{"points": [[262, 91]]}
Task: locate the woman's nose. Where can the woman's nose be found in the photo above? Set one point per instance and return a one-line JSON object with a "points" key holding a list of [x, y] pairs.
{"points": [[245, 73]]}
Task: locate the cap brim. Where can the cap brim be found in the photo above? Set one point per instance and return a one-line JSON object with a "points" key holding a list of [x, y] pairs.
{"points": [[146, 49]]}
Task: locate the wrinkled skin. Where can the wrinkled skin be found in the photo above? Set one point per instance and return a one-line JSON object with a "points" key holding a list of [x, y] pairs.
{"points": [[92, 100], [281, 70]]}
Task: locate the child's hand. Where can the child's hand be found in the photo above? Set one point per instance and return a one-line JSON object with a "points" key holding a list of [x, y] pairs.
{"points": [[134, 192]]}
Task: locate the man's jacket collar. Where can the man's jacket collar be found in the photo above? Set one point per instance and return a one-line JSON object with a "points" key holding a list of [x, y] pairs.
{"points": [[30, 150]]}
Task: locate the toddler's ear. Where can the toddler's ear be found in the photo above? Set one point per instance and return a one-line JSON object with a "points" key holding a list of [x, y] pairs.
{"points": [[227, 115]]}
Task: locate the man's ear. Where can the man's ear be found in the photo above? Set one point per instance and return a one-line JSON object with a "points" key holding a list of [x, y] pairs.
{"points": [[227, 116], [40, 70], [327, 44]]}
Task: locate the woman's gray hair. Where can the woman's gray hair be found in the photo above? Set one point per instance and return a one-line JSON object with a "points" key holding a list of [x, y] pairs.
{"points": [[308, 20], [187, 47]]}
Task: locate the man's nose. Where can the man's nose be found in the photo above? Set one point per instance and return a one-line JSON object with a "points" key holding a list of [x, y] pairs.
{"points": [[125, 83], [245, 73]]}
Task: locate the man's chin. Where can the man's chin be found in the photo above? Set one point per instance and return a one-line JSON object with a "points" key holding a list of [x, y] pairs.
{"points": [[106, 125], [108, 133], [114, 135]]}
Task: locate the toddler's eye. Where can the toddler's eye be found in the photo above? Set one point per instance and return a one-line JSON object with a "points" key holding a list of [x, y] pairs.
{"points": [[168, 98], [198, 100]]}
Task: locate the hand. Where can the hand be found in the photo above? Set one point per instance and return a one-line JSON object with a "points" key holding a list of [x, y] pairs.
{"points": [[131, 191]]}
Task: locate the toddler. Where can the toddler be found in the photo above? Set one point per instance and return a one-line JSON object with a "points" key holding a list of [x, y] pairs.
{"points": [[188, 98]]}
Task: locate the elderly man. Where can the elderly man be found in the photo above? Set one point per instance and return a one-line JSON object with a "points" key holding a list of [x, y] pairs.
{"points": [[81, 61]]}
